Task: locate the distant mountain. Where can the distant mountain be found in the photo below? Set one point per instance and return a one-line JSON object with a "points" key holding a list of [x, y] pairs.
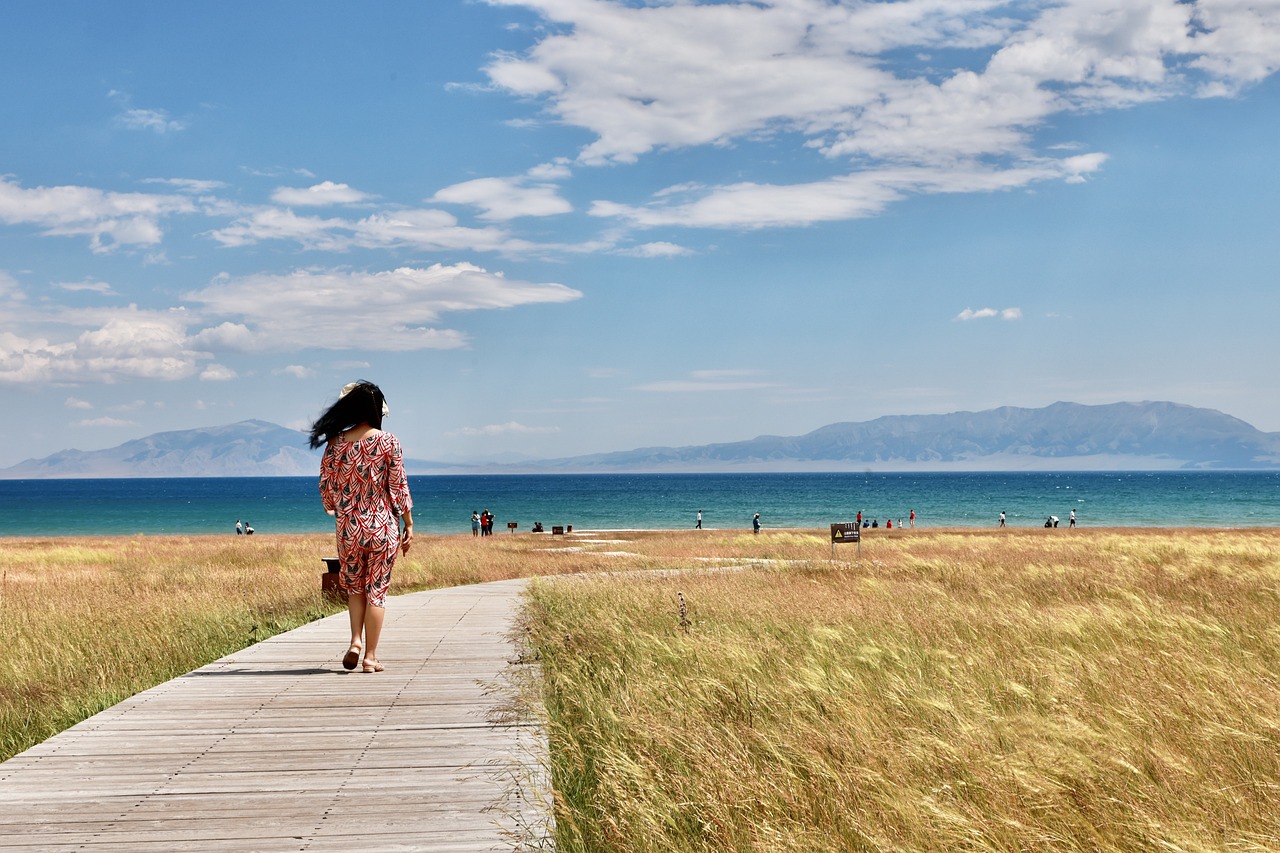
{"points": [[1063, 436], [245, 449]]}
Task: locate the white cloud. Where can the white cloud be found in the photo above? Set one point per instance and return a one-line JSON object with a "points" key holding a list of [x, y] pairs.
{"points": [[87, 286], [217, 373], [988, 313], [153, 120], [502, 429], [109, 219], [105, 422], [297, 371], [501, 199], [838, 79], [858, 195], [325, 193], [421, 229], [76, 403], [105, 345], [659, 249], [188, 185], [396, 310]]}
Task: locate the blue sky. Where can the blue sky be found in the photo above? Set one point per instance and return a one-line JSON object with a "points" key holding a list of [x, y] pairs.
{"points": [[552, 227]]}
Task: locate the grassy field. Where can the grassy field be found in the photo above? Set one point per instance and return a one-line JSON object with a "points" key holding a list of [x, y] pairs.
{"points": [[951, 690], [88, 621], [982, 690]]}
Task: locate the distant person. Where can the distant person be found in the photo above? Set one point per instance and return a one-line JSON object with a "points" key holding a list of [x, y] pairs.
{"points": [[1073, 519], [363, 484], [875, 522], [912, 518], [859, 518], [475, 523], [755, 524], [1002, 518], [698, 526], [239, 528], [248, 531]]}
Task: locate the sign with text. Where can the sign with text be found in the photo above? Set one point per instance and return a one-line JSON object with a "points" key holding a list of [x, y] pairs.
{"points": [[845, 531]]}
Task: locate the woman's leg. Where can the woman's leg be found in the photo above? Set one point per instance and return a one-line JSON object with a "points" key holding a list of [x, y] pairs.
{"points": [[373, 616], [356, 612]]}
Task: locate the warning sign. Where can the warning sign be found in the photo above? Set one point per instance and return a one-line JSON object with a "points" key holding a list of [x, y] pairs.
{"points": [[845, 531]]}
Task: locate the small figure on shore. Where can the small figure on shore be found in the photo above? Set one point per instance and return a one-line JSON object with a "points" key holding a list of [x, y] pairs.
{"points": [[859, 518], [363, 484], [239, 528], [875, 522], [755, 524], [1051, 521], [912, 518], [698, 526], [475, 523], [888, 524], [1073, 519], [1002, 518], [248, 531]]}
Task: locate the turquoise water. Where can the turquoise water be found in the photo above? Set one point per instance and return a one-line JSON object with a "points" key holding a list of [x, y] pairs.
{"points": [[443, 504]]}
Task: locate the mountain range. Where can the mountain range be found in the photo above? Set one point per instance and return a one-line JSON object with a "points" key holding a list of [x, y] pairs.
{"points": [[1143, 436]]}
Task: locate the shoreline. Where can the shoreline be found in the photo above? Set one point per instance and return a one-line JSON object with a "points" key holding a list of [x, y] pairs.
{"points": [[867, 533]]}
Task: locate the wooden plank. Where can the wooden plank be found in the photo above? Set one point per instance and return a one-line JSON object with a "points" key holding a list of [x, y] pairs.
{"points": [[278, 748]]}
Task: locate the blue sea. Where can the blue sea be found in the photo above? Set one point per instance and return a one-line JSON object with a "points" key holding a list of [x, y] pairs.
{"points": [[443, 504]]}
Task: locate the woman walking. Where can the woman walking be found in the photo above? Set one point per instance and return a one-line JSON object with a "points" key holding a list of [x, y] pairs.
{"points": [[362, 482]]}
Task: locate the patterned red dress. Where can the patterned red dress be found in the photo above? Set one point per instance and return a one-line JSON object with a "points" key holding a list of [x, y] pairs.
{"points": [[364, 484]]}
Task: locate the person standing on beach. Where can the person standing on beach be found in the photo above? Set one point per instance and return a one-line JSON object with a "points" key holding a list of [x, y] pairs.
{"points": [[698, 526], [1002, 518], [239, 528], [475, 523], [1073, 519], [363, 484], [755, 524], [912, 518]]}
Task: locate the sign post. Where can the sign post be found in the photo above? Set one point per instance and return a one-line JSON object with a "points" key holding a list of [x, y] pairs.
{"points": [[845, 531]]}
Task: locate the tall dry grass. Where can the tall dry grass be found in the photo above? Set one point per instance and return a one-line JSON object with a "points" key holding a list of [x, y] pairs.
{"points": [[88, 621], [976, 690]]}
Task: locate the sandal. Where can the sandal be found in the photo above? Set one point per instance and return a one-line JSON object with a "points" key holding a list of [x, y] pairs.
{"points": [[352, 657], [371, 665]]}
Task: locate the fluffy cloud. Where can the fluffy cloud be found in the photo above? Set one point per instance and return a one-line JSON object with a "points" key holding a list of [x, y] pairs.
{"points": [[325, 193], [500, 199], [118, 344], [217, 373], [857, 82], [396, 310], [157, 121], [421, 229], [109, 219], [988, 313]]}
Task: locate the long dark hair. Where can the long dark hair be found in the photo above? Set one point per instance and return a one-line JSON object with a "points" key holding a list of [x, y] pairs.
{"points": [[363, 404]]}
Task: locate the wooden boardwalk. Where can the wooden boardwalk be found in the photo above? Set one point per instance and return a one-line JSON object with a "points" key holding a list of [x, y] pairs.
{"points": [[278, 748]]}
